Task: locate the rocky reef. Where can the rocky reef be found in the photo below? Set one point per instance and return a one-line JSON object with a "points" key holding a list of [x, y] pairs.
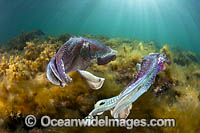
{"points": [[24, 88]]}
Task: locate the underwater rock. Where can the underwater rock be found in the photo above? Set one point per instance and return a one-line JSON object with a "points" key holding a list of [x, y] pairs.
{"points": [[192, 56], [30, 36], [19, 42], [64, 37], [185, 57]]}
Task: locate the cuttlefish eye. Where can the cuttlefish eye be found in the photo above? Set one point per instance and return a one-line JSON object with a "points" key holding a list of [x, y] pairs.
{"points": [[102, 103], [99, 103]]}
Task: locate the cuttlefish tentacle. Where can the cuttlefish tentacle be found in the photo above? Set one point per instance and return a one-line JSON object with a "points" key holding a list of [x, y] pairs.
{"points": [[150, 67]]}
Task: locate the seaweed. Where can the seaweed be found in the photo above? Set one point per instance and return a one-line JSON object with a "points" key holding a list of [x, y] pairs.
{"points": [[24, 88], [19, 42]]}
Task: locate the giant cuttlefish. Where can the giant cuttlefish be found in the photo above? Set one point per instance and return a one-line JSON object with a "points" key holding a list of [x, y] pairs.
{"points": [[121, 104], [76, 55]]}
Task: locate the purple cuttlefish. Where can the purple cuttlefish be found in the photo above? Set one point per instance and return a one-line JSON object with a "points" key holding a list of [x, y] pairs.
{"points": [[121, 104], [76, 55]]}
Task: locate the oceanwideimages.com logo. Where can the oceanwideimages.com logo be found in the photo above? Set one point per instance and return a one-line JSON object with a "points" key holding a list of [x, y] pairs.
{"points": [[47, 121]]}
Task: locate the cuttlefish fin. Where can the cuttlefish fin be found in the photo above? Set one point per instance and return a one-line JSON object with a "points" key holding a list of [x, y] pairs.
{"points": [[138, 67], [93, 81], [123, 114]]}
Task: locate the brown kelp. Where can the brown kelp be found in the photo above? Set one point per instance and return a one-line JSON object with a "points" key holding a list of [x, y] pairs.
{"points": [[24, 88]]}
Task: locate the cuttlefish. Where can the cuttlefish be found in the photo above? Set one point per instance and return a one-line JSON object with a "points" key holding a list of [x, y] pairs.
{"points": [[76, 55], [121, 104]]}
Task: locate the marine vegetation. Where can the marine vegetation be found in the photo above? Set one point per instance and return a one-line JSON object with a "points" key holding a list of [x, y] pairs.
{"points": [[25, 89]]}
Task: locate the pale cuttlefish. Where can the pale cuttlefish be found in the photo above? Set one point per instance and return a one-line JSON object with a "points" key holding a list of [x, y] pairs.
{"points": [[76, 55], [121, 104]]}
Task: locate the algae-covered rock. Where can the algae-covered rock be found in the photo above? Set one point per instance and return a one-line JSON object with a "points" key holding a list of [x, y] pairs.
{"points": [[19, 42], [24, 88]]}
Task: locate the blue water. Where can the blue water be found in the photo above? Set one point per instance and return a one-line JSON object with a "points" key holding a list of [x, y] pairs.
{"points": [[175, 22]]}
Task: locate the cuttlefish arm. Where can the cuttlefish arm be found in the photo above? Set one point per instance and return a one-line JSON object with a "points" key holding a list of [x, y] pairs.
{"points": [[65, 58], [107, 59], [93, 81], [51, 76]]}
